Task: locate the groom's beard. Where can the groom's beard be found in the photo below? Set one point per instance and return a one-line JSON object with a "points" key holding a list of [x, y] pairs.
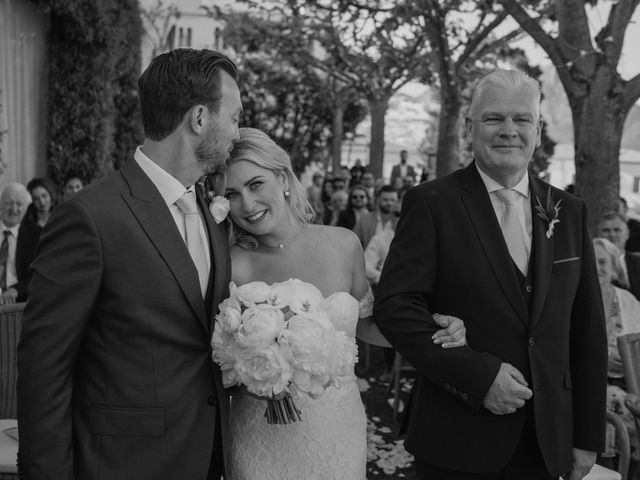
{"points": [[212, 154]]}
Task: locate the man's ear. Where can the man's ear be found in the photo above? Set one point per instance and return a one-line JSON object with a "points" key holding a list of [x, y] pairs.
{"points": [[468, 128], [198, 118]]}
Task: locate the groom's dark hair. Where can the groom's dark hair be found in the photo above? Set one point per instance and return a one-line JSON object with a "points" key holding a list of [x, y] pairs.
{"points": [[176, 81]]}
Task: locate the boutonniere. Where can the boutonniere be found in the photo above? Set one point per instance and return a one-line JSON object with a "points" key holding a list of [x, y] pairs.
{"points": [[219, 207], [549, 213]]}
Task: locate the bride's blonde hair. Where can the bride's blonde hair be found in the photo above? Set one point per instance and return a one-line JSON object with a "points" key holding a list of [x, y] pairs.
{"points": [[257, 147]]}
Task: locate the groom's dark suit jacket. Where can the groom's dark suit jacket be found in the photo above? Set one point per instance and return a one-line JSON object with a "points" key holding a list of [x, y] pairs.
{"points": [[115, 378], [449, 256]]}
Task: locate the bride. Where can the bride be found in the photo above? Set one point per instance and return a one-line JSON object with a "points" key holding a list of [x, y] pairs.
{"points": [[272, 241]]}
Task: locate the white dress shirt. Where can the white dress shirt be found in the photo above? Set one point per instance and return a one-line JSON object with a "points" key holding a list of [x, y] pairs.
{"points": [[376, 253], [171, 190], [12, 274], [523, 204]]}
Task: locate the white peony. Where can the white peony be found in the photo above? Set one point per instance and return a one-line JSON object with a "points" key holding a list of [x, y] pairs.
{"points": [[265, 373], [229, 317], [260, 327], [305, 298], [253, 293]]}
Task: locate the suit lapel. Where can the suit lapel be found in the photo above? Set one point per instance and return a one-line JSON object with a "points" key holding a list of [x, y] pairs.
{"points": [[219, 248], [543, 248], [154, 217], [478, 204]]}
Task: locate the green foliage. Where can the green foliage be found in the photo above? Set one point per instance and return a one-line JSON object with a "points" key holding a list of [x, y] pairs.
{"points": [[94, 53]]}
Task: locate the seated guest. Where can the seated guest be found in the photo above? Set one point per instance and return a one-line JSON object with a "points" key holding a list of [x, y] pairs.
{"points": [[337, 205], [18, 244], [357, 206], [42, 201], [368, 182], [614, 228], [72, 184], [378, 248], [622, 313]]}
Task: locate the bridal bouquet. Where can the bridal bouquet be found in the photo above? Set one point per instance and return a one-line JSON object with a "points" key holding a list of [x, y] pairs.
{"points": [[278, 339]]}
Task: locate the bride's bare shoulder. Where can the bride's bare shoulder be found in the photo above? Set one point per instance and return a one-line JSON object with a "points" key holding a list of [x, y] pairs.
{"points": [[335, 237]]}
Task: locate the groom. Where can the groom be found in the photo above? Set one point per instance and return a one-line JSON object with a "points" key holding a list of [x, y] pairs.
{"points": [[526, 398], [115, 372]]}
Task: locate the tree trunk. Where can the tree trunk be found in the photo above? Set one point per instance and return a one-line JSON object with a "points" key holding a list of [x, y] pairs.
{"points": [[338, 128], [448, 151], [377, 109], [598, 122]]}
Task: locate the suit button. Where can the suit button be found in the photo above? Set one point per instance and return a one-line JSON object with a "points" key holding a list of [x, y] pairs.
{"points": [[211, 401], [464, 396], [531, 342], [528, 288]]}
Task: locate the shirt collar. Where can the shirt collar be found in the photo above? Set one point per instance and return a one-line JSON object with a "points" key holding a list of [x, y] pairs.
{"points": [[169, 187], [522, 186], [13, 230]]}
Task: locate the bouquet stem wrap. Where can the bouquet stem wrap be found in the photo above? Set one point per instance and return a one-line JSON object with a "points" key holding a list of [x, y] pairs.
{"points": [[282, 411]]}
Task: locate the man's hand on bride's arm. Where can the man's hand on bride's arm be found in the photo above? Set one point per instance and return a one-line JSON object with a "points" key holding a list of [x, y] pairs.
{"points": [[453, 332]]}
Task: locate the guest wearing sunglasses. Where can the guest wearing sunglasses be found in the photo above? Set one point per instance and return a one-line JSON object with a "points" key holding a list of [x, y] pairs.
{"points": [[357, 206]]}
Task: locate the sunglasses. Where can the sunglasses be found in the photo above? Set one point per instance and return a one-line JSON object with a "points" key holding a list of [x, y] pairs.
{"points": [[358, 197]]}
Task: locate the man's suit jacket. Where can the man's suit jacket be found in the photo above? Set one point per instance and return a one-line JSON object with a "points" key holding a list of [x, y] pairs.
{"points": [[449, 256], [365, 227], [115, 372], [395, 173], [632, 260], [28, 236]]}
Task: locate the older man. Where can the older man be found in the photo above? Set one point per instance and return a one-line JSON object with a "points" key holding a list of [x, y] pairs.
{"points": [[526, 398], [18, 244]]}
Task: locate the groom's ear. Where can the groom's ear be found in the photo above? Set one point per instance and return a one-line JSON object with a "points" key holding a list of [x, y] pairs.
{"points": [[197, 118]]}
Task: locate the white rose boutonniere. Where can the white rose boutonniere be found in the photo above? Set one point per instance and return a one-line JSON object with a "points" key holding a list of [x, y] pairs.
{"points": [[219, 208]]}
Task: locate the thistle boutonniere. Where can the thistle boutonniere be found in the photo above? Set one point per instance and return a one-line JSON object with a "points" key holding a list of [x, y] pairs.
{"points": [[219, 206], [549, 213]]}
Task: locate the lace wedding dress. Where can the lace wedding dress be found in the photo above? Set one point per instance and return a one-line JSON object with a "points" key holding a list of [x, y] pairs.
{"points": [[329, 443]]}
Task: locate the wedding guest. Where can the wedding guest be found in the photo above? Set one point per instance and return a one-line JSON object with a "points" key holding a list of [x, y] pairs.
{"points": [[368, 182], [357, 206], [622, 314], [314, 194], [402, 170], [18, 244], [633, 242], [42, 201], [380, 219], [613, 226], [356, 173], [72, 185], [339, 183], [337, 205], [116, 377], [526, 400]]}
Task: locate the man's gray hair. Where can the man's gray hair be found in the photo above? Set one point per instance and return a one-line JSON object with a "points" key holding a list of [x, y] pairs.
{"points": [[13, 188], [504, 79]]}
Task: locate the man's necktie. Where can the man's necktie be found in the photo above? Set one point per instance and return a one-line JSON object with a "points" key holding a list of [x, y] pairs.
{"points": [[187, 204], [4, 258], [512, 229]]}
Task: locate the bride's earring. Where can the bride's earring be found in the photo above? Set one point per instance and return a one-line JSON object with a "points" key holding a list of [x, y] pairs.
{"points": [[287, 194]]}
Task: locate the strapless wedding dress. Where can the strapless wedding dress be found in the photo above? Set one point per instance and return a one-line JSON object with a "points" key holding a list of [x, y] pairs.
{"points": [[329, 443]]}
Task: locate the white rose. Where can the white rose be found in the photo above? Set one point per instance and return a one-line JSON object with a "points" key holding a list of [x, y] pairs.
{"points": [[219, 208], [260, 327], [265, 373], [224, 352], [280, 295], [250, 294]]}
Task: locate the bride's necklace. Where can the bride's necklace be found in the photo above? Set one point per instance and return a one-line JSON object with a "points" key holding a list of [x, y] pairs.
{"points": [[282, 245]]}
